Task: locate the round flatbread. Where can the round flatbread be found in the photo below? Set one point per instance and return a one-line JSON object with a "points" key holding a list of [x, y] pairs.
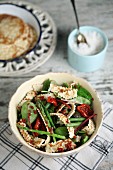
{"points": [[16, 37], [7, 51], [11, 28]]}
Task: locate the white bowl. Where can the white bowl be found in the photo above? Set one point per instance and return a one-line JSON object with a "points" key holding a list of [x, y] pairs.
{"points": [[59, 78], [26, 15]]}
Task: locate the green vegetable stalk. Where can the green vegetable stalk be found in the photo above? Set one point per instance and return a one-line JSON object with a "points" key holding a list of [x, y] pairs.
{"points": [[77, 119], [41, 132]]}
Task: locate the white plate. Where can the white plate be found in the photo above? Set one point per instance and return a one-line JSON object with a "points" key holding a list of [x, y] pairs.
{"points": [[44, 50]]}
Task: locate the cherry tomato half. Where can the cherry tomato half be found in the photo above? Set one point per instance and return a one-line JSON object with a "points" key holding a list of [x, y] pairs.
{"points": [[52, 100], [84, 110]]}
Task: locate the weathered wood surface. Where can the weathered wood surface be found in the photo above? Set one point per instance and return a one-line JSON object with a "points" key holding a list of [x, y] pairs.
{"points": [[95, 13]]}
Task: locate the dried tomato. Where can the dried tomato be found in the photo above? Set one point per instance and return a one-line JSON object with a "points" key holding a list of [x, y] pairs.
{"points": [[68, 145], [64, 111], [41, 97], [60, 149], [37, 125], [84, 110], [52, 100]]}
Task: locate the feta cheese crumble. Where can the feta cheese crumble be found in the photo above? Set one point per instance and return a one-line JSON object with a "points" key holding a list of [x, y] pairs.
{"points": [[63, 92]]}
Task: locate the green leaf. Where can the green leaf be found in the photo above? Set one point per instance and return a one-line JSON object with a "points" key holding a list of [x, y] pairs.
{"points": [[29, 112], [61, 131], [24, 111], [65, 85], [32, 117], [84, 93], [46, 85], [82, 100]]}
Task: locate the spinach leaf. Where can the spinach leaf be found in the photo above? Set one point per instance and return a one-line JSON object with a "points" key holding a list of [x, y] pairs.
{"points": [[65, 85], [29, 112], [24, 111], [84, 93], [46, 85], [82, 100], [61, 131]]}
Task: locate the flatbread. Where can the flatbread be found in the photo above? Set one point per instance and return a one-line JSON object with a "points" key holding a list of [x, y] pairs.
{"points": [[7, 51], [11, 28], [16, 37]]}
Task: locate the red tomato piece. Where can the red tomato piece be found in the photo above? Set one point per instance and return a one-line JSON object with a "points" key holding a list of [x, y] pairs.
{"points": [[41, 97], [84, 110], [37, 126], [60, 149], [64, 111], [52, 100]]}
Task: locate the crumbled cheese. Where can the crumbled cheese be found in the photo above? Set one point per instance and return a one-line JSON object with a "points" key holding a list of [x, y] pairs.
{"points": [[38, 142], [77, 139], [89, 129], [37, 87], [63, 92], [29, 96], [71, 131], [46, 95], [24, 133], [60, 145], [73, 107], [35, 142]]}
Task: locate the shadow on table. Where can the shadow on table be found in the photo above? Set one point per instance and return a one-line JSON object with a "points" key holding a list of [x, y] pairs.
{"points": [[62, 37]]}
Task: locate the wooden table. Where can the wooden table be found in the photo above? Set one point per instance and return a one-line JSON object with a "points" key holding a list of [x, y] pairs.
{"points": [[94, 13]]}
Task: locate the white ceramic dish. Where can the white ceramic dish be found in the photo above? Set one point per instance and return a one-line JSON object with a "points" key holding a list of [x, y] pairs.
{"points": [[43, 50], [59, 78], [87, 63], [26, 15]]}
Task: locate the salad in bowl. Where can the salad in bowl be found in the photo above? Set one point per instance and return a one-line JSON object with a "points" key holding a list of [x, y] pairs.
{"points": [[55, 114]]}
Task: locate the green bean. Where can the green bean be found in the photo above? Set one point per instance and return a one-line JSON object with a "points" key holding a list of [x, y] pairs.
{"points": [[73, 124], [81, 132], [41, 132], [49, 117], [39, 104], [46, 115], [54, 139], [47, 105], [77, 119], [85, 139], [83, 123]]}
